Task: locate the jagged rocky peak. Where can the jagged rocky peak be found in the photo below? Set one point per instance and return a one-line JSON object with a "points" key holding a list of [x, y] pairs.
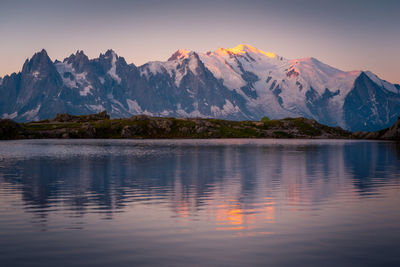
{"points": [[186, 56], [39, 62], [193, 63], [79, 55], [79, 60], [41, 54], [112, 57], [195, 60], [180, 54], [113, 65], [109, 54]]}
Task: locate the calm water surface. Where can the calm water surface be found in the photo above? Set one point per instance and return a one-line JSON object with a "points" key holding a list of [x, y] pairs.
{"points": [[199, 202]]}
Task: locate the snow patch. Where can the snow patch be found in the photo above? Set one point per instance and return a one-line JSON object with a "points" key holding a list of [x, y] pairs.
{"points": [[221, 69], [36, 74], [113, 70], [165, 113], [115, 101], [182, 113], [87, 90], [96, 108], [384, 84], [227, 108], [172, 68], [193, 64], [30, 114], [79, 80], [10, 116], [134, 107]]}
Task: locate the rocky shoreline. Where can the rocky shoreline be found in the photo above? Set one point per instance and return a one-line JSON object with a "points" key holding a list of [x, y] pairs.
{"points": [[141, 126]]}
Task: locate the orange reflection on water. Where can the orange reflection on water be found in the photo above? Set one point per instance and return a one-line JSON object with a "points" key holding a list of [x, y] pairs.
{"points": [[270, 213], [181, 207], [235, 217], [182, 210], [231, 228], [229, 215]]}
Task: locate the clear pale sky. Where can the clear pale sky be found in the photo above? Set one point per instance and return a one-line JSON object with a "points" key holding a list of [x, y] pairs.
{"points": [[347, 34]]}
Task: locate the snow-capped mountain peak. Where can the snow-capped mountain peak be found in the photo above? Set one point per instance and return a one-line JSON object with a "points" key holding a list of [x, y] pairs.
{"points": [[382, 83], [180, 54], [243, 49], [310, 71], [231, 83]]}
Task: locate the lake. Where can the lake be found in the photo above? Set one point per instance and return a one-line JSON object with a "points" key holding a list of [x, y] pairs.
{"points": [[232, 202]]}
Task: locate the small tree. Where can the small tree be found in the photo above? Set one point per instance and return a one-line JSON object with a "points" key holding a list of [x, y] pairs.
{"points": [[265, 119]]}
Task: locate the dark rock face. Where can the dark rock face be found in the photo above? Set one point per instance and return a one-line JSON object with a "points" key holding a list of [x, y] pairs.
{"points": [[319, 105], [398, 88], [34, 91], [370, 107]]}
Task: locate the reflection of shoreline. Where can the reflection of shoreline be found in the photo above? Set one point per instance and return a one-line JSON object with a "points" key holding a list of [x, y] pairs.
{"points": [[190, 180]]}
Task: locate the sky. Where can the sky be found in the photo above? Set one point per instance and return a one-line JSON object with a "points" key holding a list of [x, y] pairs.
{"points": [[346, 34]]}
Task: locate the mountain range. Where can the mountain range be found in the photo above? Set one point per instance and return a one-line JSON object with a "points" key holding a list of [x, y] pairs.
{"points": [[241, 83]]}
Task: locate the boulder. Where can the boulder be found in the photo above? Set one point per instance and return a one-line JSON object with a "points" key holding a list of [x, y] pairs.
{"points": [[133, 130], [99, 116], [64, 118], [139, 118]]}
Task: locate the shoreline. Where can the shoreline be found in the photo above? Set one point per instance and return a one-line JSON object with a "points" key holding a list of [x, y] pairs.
{"points": [[101, 126]]}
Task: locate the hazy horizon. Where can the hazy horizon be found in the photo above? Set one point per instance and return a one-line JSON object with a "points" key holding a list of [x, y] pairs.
{"points": [[349, 35]]}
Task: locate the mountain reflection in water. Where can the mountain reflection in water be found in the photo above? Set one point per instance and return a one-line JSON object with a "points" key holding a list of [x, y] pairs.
{"points": [[305, 196]]}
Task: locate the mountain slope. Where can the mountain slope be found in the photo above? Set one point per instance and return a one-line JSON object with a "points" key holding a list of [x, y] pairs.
{"points": [[235, 83]]}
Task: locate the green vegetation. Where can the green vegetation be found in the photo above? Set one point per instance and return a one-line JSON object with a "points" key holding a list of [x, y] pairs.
{"points": [[141, 126], [265, 119], [281, 134]]}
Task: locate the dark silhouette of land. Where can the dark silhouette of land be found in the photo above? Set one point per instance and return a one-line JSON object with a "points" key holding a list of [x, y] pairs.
{"points": [[141, 126]]}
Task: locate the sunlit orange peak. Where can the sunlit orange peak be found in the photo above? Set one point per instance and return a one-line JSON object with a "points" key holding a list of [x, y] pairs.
{"points": [[180, 54], [243, 49]]}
